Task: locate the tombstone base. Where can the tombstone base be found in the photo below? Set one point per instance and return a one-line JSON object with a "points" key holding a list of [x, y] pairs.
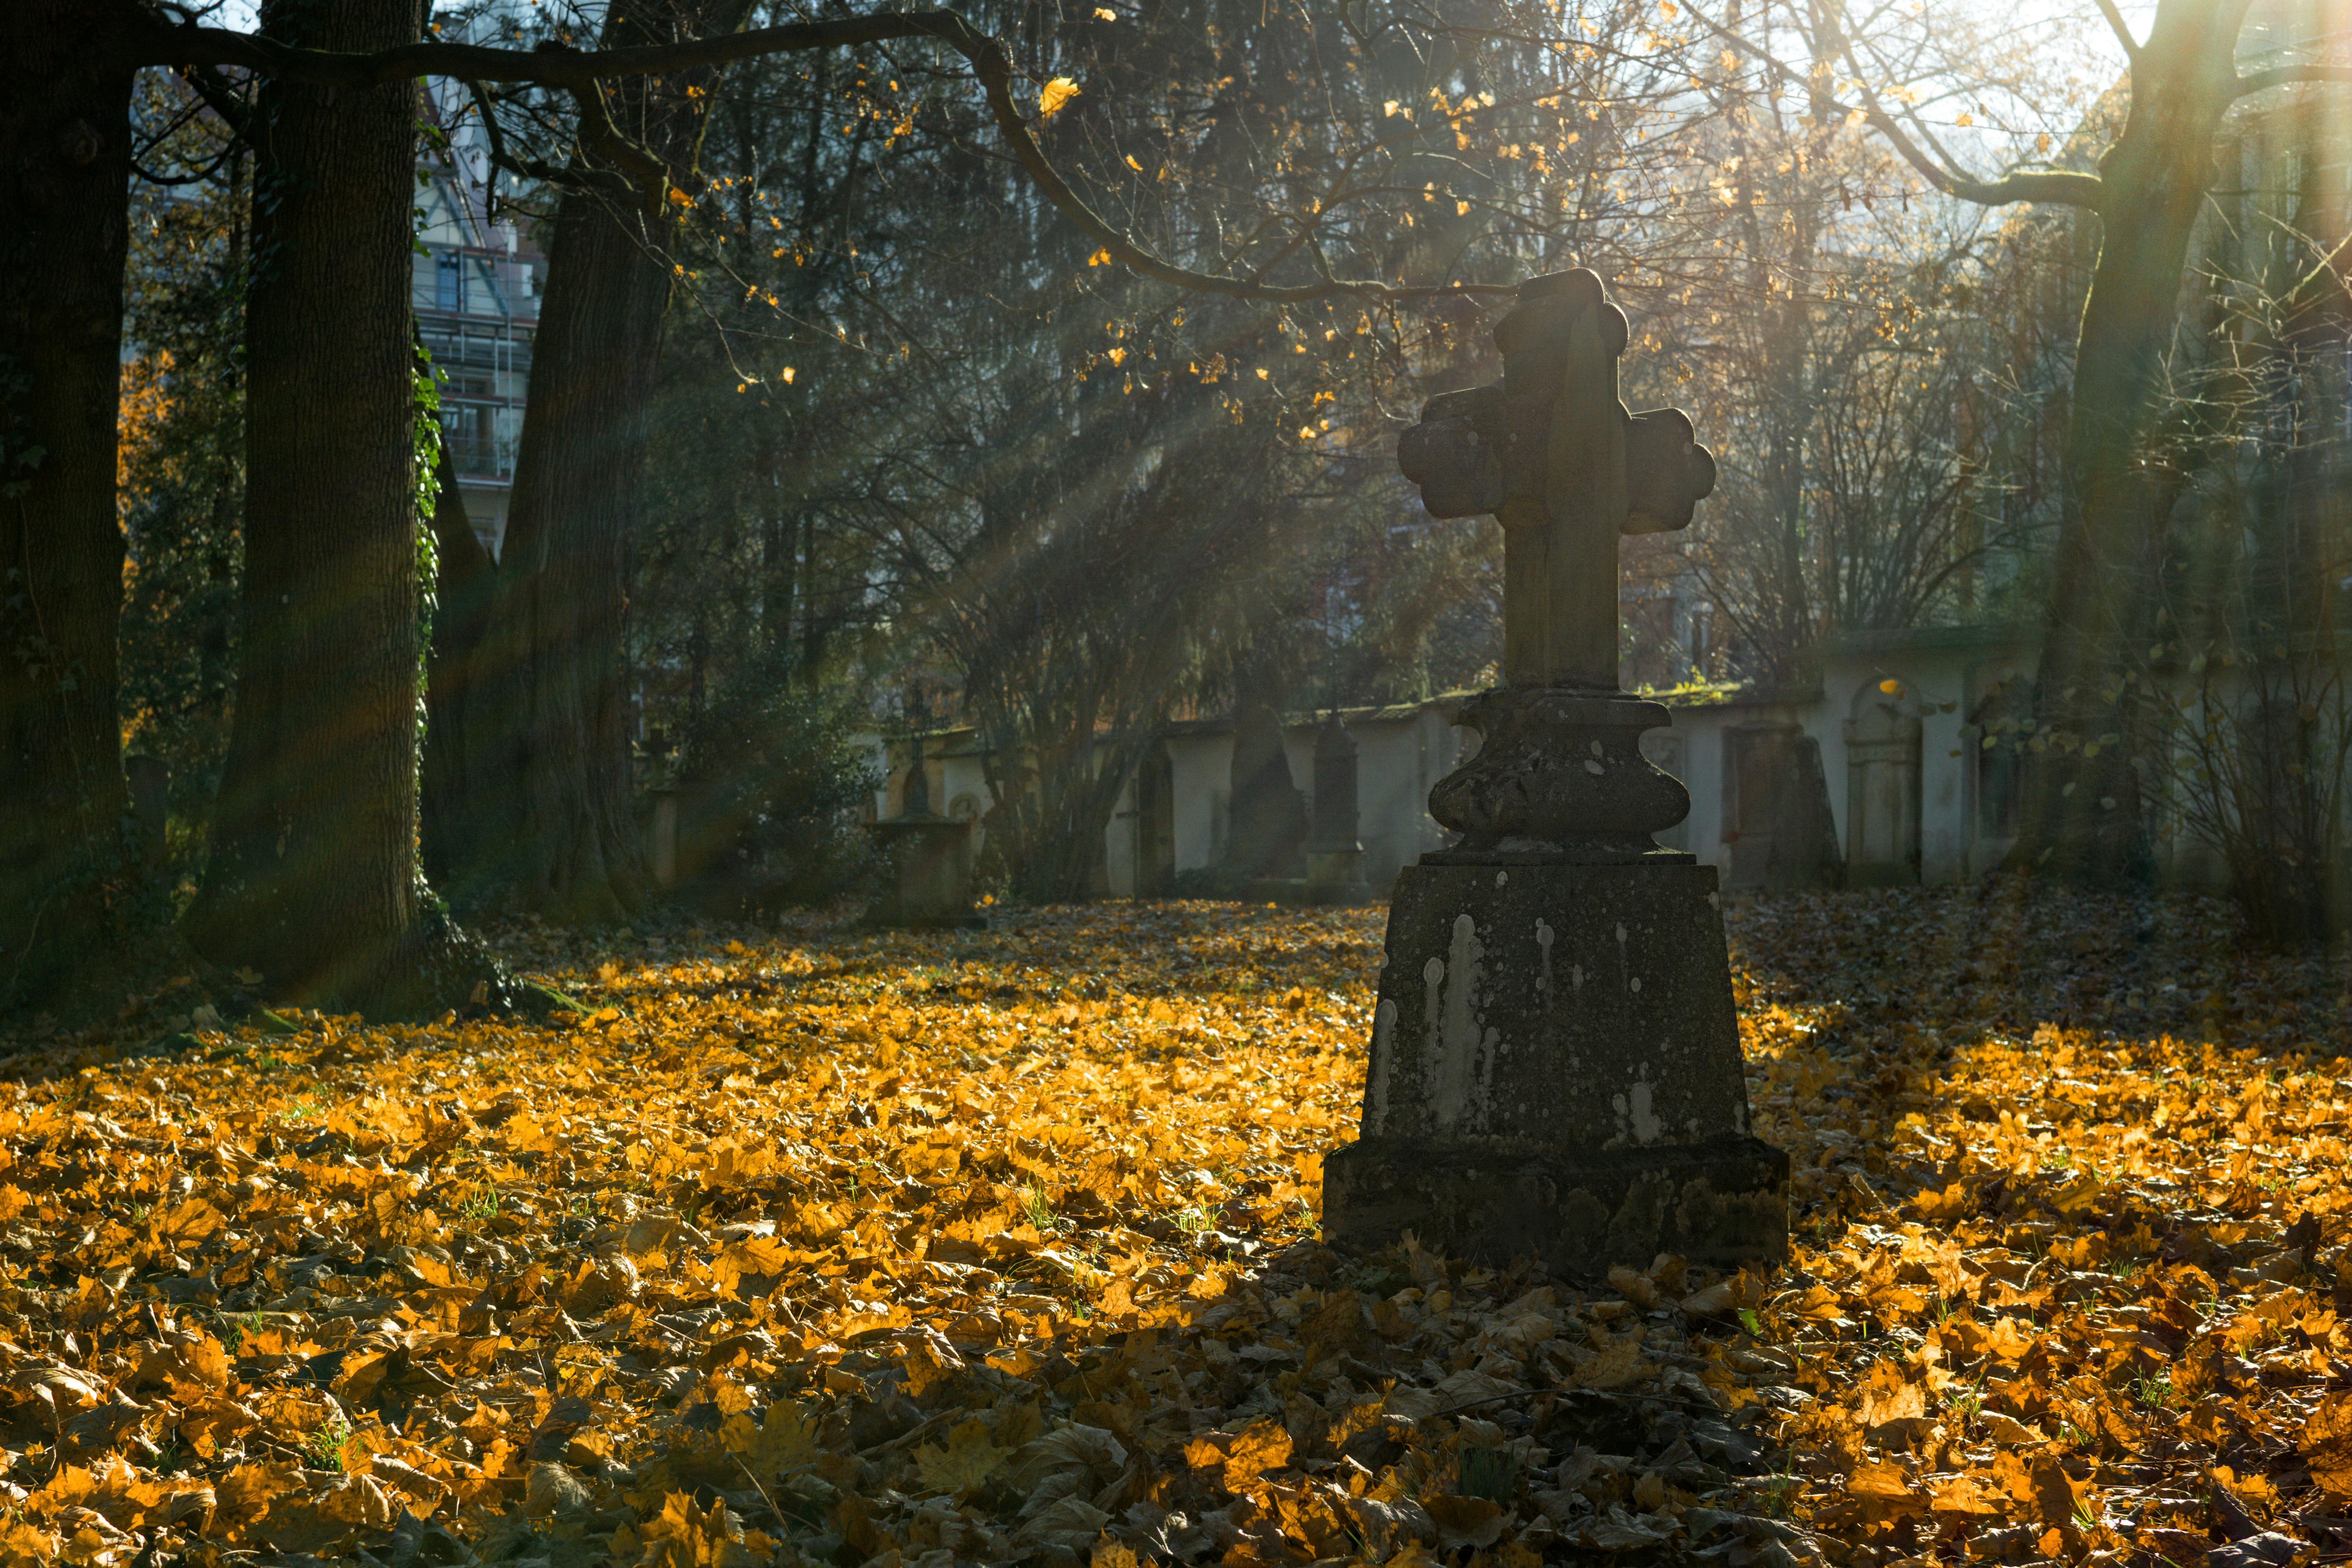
{"points": [[1556, 1070], [1722, 1204]]}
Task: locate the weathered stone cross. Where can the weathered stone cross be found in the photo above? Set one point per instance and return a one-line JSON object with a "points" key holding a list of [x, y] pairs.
{"points": [[1552, 452], [1555, 1059]]}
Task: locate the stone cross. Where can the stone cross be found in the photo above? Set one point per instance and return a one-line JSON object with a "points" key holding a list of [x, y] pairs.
{"points": [[1551, 451], [1555, 1059]]}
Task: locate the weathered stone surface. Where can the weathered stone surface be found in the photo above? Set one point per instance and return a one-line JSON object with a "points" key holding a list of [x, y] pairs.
{"points": [[1557, 773], [1569, 1007], [1473, 448], [1723, 1202], [1555, 1069]]}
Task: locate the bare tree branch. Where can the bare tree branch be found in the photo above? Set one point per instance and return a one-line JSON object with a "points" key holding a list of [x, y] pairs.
{"points": [[522, 168], [576, 70], [2287, 76], [2061, 187], [218, 95], [2123, 33], [599, 135], [548, 64]]}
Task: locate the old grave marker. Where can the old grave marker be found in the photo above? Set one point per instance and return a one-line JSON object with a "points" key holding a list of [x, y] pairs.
{"points": [[1555, 1066]]}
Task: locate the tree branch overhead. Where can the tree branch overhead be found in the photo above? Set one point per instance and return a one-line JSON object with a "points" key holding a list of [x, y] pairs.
{"points": [[578, 70]]}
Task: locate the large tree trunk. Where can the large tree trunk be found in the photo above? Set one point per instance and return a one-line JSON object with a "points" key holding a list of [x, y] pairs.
{"points": [[454, 764], [554, 827], [312, 878], [2083, 818], [67, 883]]}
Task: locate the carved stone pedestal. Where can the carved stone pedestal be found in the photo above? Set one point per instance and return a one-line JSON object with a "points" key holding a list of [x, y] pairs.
{"points": [[1556, 1071]]}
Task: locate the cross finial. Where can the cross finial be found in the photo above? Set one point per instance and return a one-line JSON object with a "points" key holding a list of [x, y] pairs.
{"points": [[1551, 451]]}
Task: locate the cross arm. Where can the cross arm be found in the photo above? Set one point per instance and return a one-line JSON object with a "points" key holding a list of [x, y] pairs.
{"points": [[1472, 447], [1667, 472]]}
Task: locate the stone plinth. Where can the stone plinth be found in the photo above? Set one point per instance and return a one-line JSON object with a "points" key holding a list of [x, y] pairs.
{"points": [[1556, 1070], [1719, 1204], [930, 873], [1335, 859]]}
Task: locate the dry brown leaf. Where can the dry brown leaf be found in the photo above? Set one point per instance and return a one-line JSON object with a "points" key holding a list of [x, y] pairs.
{"points": [[965, 1464], [1619, 1366], [1887, 1394], [2325, 1444]]}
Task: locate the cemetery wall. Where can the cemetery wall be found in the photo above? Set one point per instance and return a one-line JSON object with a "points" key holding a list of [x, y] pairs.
{"points": [[1897, 719]]}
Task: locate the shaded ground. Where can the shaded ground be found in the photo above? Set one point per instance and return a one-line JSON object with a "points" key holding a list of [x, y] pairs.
{"points": [[1000, 1246]]}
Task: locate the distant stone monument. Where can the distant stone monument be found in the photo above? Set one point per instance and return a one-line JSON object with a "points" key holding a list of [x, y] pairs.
{"points": [[931, 861], [1555, 1063], [1335, 859], [1266, 819]]}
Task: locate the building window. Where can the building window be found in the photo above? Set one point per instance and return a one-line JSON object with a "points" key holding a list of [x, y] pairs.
{"points": [[449, 282], [466, 431]]}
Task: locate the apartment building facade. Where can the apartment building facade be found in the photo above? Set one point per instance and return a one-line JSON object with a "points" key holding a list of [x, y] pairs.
{"points": [[476, 285]]}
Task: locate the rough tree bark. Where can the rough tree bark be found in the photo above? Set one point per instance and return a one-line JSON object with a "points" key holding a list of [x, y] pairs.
{"points": [[453, 769], [67, 881], [312, 878], [552, 826]]}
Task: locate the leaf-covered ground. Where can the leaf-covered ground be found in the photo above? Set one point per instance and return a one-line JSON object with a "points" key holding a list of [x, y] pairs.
{"points": [[995, 1247]]}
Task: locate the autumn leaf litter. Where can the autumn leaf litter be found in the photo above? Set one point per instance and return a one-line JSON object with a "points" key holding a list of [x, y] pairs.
{"points": [[811, 1244]]}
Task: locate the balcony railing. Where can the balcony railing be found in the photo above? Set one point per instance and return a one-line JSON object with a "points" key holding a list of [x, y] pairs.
{"points": [[480, 457]]}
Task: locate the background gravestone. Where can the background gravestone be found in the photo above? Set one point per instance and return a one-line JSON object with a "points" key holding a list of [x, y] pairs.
{"points": [[929, 859], [1555, 1066], [1266, 819], [1777, 809], [1334, 857]]}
